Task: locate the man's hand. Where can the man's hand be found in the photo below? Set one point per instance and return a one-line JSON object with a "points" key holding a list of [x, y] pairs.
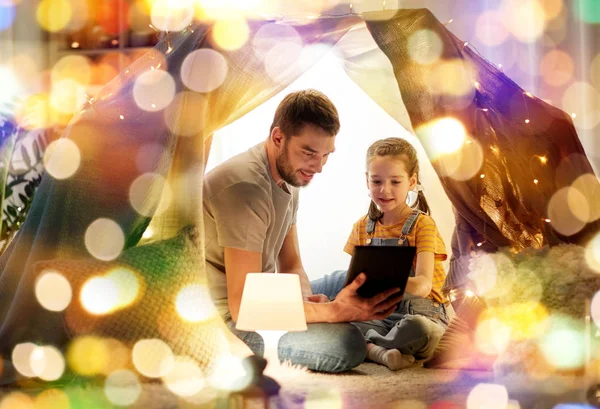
{"points": [[318, 298], [349, 306]]}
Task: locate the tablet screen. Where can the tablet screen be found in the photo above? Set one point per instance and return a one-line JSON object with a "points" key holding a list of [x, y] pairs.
{"points": [[385, 267]]}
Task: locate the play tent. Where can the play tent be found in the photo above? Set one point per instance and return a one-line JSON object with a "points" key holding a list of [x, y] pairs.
{"points": [[150, 131]]}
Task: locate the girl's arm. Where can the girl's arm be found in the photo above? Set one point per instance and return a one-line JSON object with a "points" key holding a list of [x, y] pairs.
{"points": [[420, 285]]}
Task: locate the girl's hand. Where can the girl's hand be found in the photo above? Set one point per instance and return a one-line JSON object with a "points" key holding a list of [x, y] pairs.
{"points": [[349, 306]]}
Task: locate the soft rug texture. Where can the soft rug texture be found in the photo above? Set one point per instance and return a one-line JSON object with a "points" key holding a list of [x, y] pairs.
{"points": [[368, 386]]}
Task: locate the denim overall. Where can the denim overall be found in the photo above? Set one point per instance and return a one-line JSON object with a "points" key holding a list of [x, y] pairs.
{"points": [[416, 326]]}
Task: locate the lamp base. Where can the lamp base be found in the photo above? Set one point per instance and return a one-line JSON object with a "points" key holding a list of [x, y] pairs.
{"points": [[255, 366]]}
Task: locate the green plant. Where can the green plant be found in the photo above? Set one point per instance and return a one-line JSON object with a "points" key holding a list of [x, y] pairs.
{"points": [[20, 179]]}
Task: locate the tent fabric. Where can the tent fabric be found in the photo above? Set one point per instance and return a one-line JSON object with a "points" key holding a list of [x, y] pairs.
{"points": [[505, 206], [118, 142]]}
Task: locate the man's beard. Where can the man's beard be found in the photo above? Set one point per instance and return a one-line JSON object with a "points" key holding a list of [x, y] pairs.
{"points": [[287, 173]]}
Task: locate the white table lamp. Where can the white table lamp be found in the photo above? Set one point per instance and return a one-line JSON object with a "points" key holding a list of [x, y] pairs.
{"points": [[271, 305]]}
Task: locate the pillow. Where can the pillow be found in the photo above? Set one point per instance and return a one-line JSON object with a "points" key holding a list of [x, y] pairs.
{"points": [[159, 271]]}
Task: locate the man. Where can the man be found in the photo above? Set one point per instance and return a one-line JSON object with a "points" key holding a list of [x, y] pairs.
{"points": [[250, 205]]}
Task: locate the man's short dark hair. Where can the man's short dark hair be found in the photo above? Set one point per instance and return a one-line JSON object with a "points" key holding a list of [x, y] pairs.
{"points": [[306, 107]]}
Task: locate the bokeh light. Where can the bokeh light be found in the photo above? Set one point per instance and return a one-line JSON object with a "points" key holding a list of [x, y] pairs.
{"points": [[120, 356], [154, 90], [568, 211], [53, 291], [484, 273], [185, 378], [320, 398], [74, 67], [587, 10], [122, 388], [452, 77], [104, 239], [67, 96], [10, 86], [54, 15], [487, 396], [270, 35], [127, 284], [442, 136], [7, 15], [231, 33], [80, 15], [138, 16], [425, 46], [194, 304], [47, 363], [88, 355], [563, 331], [99, 295], [204, 70], [34, 112], [552, 8], [150, 194], [583, 99], [228, 374], [62, 158], [592, 254], [462, 164], [492, 336], [152, 358], [17, 400], [490, 28], [589, 186], [525, 319], [557, 68], [52, 399], [168, 15], [595, 309], [21, 358], [526, 19]]}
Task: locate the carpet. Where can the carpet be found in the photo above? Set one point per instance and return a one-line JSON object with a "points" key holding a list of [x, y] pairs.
{"points": [[374, 386]]}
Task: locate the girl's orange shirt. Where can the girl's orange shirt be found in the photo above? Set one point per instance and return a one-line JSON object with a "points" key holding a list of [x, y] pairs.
{"points": [[424, 236]]}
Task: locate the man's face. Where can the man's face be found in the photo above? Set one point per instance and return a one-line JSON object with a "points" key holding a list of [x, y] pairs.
{"points": [[301, 156]]}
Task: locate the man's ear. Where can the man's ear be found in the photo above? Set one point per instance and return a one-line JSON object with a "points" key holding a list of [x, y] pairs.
{"points": [[277, 136]]}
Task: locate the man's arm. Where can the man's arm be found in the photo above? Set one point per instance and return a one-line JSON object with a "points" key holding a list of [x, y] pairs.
{"points": [[289, 262], [238, 263], [348, 305]]}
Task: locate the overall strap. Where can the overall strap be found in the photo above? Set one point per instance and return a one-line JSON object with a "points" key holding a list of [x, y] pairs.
{"points": [[370, 226], [408, 225]]}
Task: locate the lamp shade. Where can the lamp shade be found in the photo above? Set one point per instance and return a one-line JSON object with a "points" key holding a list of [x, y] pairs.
{"points": [[271, 301]]}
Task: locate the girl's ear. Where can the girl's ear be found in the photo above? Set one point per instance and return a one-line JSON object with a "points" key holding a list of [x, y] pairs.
{"points": [[367, 179], [413, 181]]}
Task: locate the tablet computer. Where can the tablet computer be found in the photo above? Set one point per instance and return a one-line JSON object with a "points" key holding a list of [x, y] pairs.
{"points": [[385, 267]]}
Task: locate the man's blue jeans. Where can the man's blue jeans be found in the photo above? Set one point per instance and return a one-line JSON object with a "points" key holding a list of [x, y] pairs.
{"points": [[414, 328], [323, 347]]}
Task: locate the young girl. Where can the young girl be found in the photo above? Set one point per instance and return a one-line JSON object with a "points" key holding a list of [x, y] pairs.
{"points": [[416, 326]]}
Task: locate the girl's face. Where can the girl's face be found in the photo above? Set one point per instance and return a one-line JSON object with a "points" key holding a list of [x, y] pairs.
{"points": [[389, 182]]}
